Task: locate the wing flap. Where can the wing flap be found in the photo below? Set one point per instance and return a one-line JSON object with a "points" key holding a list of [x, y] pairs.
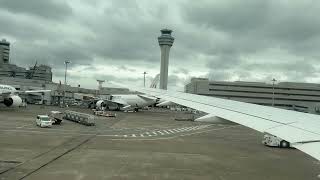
{"points": [[293, 134], [165, 103], [34, 91], [148, 98]]}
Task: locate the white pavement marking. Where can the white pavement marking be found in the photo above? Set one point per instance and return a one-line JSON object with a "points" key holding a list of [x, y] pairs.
{"points": [[24, 126], [171, 131], [166, 131], [181, 135], [176, 130], [154, 133]]}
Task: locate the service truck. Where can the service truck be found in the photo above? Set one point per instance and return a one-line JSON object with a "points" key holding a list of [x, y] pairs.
{"points": [[56, 117], [274, 141]]}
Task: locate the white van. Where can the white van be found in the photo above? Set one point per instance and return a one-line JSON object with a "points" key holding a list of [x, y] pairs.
{"points": [[43, 121]]}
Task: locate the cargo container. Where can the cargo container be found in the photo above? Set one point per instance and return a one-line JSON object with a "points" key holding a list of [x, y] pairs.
{"points": [[81, 118]]}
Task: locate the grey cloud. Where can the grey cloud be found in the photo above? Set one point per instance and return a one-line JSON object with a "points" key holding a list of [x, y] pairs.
{"points": [[181, 71], [49, 9], [224, 62], [21, 30], [53, 54], [125, 68], [296, 71], [174, 80], [256, 25], [218, 75], [233, 16], [219, 35]]}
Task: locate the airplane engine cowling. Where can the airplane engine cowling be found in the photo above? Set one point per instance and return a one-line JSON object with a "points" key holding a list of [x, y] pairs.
{"points": [[100, 104], [12, 101]]}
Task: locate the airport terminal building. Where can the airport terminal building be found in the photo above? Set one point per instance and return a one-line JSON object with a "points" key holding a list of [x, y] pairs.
{"points": [[39, 77], [304, 97]]}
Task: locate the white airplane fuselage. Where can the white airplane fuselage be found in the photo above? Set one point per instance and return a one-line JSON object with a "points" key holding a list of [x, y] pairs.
{"points": [[134, 100], [6, 88], [129, 101], [9, 97]]}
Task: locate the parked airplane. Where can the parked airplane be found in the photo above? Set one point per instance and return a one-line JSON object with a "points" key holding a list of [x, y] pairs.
{"points": [[127, 101], [160, 102], [9, 96], [299, 130]]}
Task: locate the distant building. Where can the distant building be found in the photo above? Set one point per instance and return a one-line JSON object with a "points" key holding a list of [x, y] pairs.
{"points": [[40, 77], [303, 97], [42, 72], [59, 92], [11, 70], [4, 51]]}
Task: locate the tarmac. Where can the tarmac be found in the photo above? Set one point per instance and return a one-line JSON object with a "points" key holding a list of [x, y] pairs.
{"points": [[147, 145]]}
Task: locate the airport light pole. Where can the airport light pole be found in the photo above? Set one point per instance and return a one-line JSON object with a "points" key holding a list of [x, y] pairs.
{"points": [[273, 82], [144, 79], [65, 72], [65, 81]]}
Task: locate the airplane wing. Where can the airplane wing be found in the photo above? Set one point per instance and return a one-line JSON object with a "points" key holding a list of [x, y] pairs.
{"points": [[148, 98], [118, 101], [5, 93], [33, 91], [302, 130], [8, 93]]}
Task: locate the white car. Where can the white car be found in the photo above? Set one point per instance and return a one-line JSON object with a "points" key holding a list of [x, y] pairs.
{"points": [[274, 141], [43, 121]]}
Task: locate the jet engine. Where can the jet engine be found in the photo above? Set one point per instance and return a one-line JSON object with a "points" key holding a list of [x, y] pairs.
{"points": [[12, 101], [100, 104]]}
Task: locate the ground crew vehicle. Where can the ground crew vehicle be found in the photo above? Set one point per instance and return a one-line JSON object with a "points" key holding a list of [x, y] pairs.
{"points": [[56, 117], [105, 113], [43, 121], [274, 141]]}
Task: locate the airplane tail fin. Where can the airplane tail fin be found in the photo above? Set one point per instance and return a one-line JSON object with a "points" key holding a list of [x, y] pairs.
{"points": [[155, 81]]}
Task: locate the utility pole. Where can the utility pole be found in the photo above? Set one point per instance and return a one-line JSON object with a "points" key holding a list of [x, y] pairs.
{"points": [[144, 79], [65, 72], [65, 81], [273, 82]]}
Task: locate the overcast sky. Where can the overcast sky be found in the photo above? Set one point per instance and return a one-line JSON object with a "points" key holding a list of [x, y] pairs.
{"points": [[116, 40]]}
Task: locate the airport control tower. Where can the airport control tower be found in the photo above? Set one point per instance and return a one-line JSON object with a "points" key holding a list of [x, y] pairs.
{"points": [[4, 51], [165, 43]]}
